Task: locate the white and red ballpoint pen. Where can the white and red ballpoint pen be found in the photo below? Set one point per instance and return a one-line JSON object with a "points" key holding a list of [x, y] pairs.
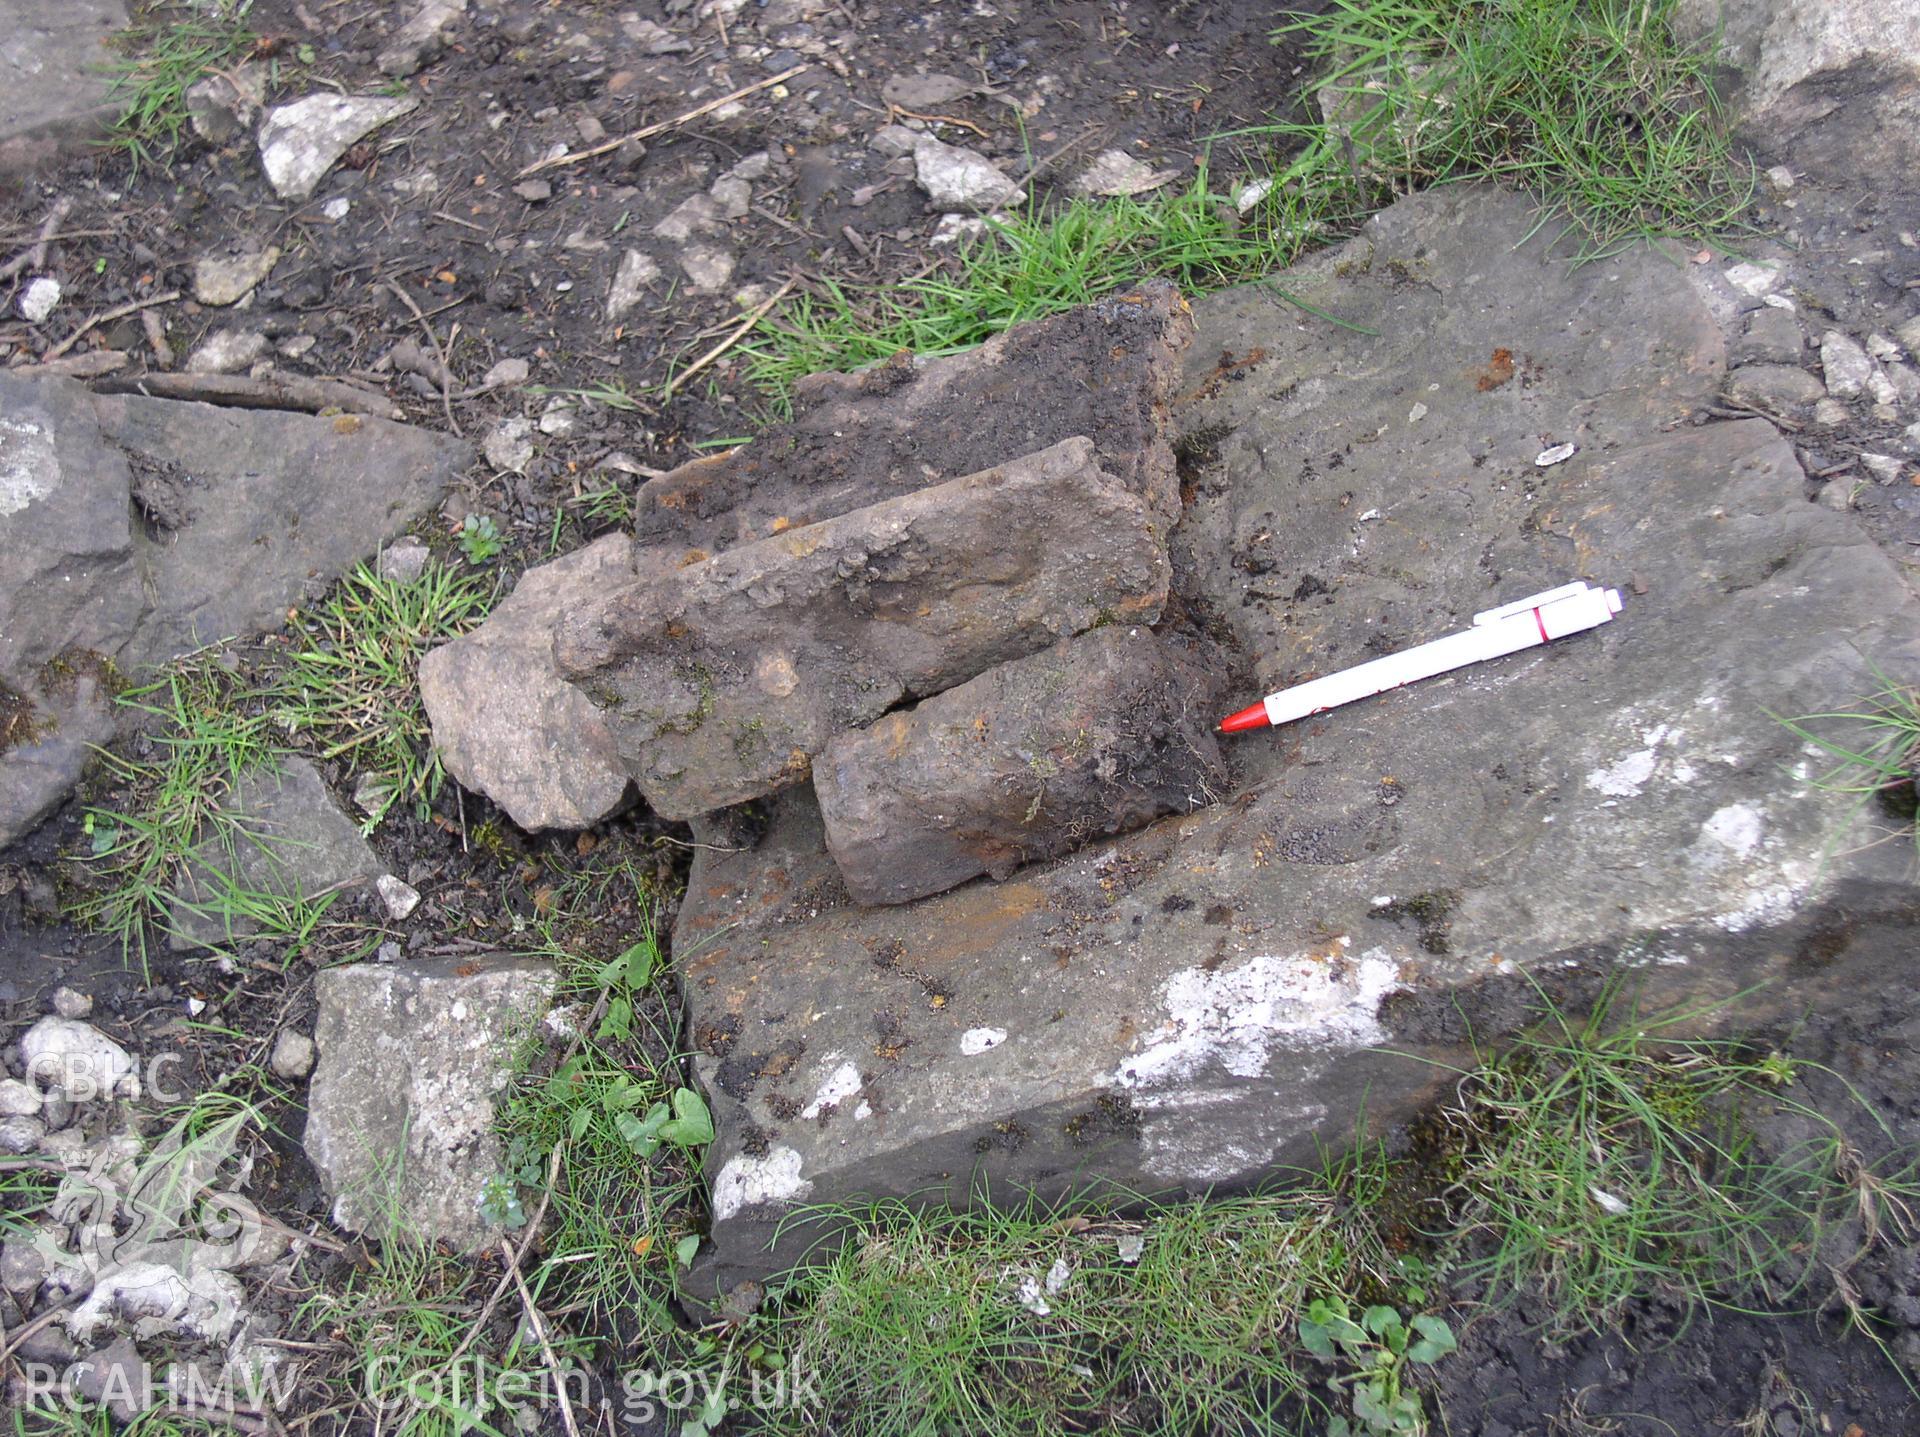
{"points": [[1524, 623]]}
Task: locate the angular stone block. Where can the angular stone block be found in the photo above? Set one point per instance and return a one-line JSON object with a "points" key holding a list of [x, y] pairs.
{"points": [[1093, 737], [506, 724], [722, 681], [1106, 371], [400, 1111]]}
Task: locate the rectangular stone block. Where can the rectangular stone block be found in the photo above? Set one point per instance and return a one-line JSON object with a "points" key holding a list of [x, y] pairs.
{"points": [[1106, 370], [1093, 737], [721, 682]]}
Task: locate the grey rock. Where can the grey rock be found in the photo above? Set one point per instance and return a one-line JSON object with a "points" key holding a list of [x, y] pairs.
{"points": [[506, 724], [534, 192], [23, 1265], [1837, 494], [279, 834], [959, 179], [227, 351], [1773, 336], [1845, 365], [1096, 736], [55, 92], [708, 266], [115, 1377], [1905, 380], [229, 277], [1115, 172], [301, 141], [404, 560], [38, 299], [1908, 333], [506, 374], [734, 196], [922, 91], [1108, 371], [224, 105], [1197, 1004], [893, 141], [1831, 414], [239, 531], [1885, 468], [694, 216], [21, 1135], [292, 1056], [559, 419], [399, 896], [71, 1002], [49, 1345], [1833, 83], [75, 1061], [720, 682], [400, 1109], [636, 275], [421, 39], [18, 1099], [1774, 388], [509, 445], [52, 730]]}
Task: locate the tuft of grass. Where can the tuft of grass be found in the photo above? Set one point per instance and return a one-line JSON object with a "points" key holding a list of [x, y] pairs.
{"points": [[1034, 1321], [208, 731], [168, 57], [1032, 265], [1602, 1161], [1876, 748], [1591, 106], [351, 686]]}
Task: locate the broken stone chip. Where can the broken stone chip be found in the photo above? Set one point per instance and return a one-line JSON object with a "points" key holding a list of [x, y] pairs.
{"points": [[1095, 736], [721, 682]]}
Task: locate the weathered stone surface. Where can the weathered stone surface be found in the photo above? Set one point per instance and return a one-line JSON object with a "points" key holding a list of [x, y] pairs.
{"points": [[284, 837], [300, 142], [224, 105], [720, 682], [422, 37], [401, 1106], [230, 275], [237, 530], [1106, 371], [959, 179], [1834, 83], [506, 724], [1774, 389], [215, 528], [53, 82], [1093, 737], [1200, 1002]]}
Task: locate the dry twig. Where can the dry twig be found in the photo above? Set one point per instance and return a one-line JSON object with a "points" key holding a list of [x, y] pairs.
{"points": [[648, 131], [738, 333], [35, 255], [120, 311]]}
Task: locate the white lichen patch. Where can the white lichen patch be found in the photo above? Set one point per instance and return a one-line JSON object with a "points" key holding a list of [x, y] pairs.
{"points": [[758, 1182], [1631, 772], [1738, 827], [29, 467], [1232, 1019], [975, 1041], [842, 1083]]}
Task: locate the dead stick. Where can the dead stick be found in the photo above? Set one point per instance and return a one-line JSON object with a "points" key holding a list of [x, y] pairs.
{"points": [[648, 131], [35, 255], [279, 391], [539, 1325], [117, 312], [739, 332], [446, 364]]}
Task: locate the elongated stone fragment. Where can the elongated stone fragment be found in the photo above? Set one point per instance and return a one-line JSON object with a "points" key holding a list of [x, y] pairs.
{"points": [[721, 682], [1093, 737]]}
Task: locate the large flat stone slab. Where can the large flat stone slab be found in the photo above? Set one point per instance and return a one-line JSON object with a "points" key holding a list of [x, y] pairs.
{"points": [[721, 682], [54, 90], [1201, 1002], [135, 529]]}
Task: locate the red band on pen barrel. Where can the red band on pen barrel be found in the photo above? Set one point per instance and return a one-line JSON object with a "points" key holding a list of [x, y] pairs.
{"points": [[1543, 627]]}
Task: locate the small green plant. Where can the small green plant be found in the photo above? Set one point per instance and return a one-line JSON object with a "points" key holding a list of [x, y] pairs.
{"points": [[480, 538], [1376, 1348], [167, 57]]}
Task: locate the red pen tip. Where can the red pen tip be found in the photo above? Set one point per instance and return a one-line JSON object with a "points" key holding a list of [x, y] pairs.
{"points": [[1255, 717]]}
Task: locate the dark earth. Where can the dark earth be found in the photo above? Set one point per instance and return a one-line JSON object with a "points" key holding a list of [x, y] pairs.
{"points": [[502, 273]]}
